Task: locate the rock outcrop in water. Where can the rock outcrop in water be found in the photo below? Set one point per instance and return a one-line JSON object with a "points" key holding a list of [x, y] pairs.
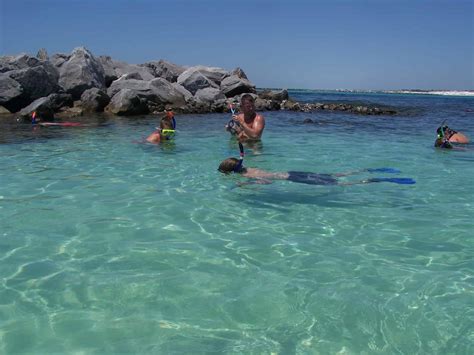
{"points": [[73, 84]]}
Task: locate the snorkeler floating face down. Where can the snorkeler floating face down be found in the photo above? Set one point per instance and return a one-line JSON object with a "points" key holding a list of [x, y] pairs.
{"points": [[234, 165]]}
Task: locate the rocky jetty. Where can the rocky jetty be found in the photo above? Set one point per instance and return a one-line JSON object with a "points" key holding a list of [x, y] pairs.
{"points": [[66, 85]]}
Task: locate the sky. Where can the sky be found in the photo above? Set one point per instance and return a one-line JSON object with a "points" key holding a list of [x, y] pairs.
{"points": [[307, 44]]}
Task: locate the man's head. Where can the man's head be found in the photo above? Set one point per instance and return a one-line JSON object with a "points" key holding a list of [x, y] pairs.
{"points": [[247, 103], [231, 165]]}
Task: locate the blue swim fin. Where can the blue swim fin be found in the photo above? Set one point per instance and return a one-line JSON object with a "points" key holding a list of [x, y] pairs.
{"points": [[384, 170], [402, 181]]}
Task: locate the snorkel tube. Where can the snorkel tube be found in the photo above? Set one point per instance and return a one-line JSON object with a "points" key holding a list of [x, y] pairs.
{"points": [[239, 165]]}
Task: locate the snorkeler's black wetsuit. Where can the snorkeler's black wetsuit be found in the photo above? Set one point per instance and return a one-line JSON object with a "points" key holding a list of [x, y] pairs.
{"points": [[311, 178]]}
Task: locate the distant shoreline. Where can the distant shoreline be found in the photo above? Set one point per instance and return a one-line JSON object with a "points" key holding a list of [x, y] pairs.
{"points": [[411, 92]]}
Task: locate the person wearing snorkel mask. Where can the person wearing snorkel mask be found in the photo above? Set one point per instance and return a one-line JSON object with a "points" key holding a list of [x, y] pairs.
{"points": [[446, 136], [234, 165], [247, 125], [166, 130]]}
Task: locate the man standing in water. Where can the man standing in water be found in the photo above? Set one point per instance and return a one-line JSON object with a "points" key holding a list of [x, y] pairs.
{"points": [[249, 125]]}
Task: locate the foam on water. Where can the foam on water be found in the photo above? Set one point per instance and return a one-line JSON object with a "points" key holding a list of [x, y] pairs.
{"points": [[111, 246]]}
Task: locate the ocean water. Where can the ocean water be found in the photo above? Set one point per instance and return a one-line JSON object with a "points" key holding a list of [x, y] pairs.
{"points": [[108, 245]]}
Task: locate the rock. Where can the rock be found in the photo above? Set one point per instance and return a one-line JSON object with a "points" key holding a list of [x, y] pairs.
{"points": [[209, 95], [290, 105], [165, 70], [239, 73], [42, 54], [41, 106], [80, 72], [114, 69], [59, 59], [38, 81], [22, 61], [186, 94], [60, 101], [4, 111], [192, 80], [274, 95], [11, 94], [68, 112], [127, 102], [233, 85], [308, 120], [94, 100]]}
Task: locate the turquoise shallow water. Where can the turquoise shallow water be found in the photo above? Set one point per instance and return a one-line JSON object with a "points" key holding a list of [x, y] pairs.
{"points": [[111, 246]]}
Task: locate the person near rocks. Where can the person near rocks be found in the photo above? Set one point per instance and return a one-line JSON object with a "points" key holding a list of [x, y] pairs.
{"points": [[248, 124], [166, 130]]}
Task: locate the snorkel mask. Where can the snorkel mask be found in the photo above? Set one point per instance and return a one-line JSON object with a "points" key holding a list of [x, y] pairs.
{"points": [[232, 125], [168, 133]]}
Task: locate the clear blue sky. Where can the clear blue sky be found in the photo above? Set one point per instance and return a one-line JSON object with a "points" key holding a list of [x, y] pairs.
{"points": [[327, 44]]}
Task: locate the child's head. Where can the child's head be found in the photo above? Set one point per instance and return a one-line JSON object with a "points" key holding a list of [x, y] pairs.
{"points": [[165, 124], [231, 165], [166, 129]]}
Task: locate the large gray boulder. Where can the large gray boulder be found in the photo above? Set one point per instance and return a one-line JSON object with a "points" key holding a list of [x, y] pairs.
{"points": [[209, 95], [38, 81], [94, 100], [233, 85], [80, 72], [165, 70], [60, 101], [274, 95], [186, 94], [42, 107], [156, 91], [59, 59], [127, 102], [23, 84], [114, 69], [22, 61], [193, 79], [11, 94]]}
